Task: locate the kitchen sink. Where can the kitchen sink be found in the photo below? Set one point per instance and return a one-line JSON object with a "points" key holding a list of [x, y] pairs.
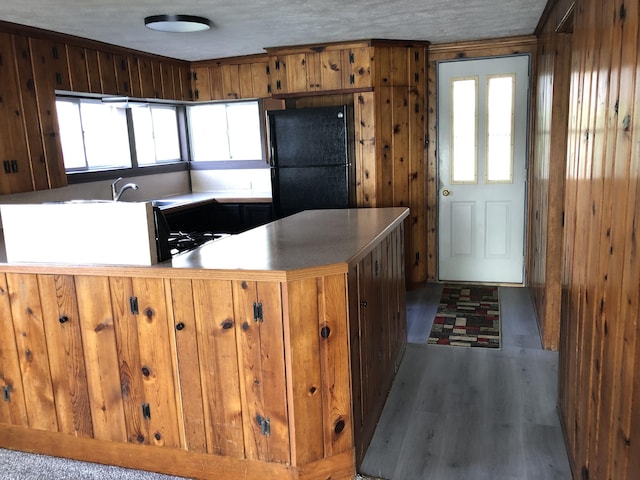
{"points": [[163, 203]]}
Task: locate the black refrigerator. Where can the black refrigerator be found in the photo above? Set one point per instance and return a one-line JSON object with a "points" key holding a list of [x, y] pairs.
{"points": [[311, 159]]}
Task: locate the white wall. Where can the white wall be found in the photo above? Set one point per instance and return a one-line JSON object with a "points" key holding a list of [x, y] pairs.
{"points": [[151, 187], [250, 181]]}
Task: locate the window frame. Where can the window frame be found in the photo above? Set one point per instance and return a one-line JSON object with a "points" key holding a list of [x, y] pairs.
{"points": [[82, 176], [232, 164]]}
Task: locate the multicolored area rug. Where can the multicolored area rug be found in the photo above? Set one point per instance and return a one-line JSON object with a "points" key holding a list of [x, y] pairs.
{"points": [[468, 316]]}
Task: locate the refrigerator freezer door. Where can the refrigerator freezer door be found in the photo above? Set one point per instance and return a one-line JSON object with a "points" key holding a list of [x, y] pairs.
{"points": [[311, 188], [309, 137]]}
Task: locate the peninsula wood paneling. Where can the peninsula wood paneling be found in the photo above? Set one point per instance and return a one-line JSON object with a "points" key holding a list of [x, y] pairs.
{"points": [[599, 355], [551, 106]]}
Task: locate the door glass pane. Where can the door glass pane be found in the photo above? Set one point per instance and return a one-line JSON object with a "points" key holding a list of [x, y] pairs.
{"points": [[500, 128], [464, 108]]}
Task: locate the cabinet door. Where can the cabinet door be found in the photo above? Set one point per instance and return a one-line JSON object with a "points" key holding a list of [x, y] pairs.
{"points": [[262, 372], [261, 80], [123, 78], [245, 79], [218, 357], [189, 383], [182, 81], [158, 80], [78, 73], [201, 84], [331, 70], [278, 72], [15, 174], [93, 71], [314, 73], [141, 327], [147, 85], [108, 73], [296, 72], [356, 68], [101, 358], [31, 343], [66, 354], [256, 214], [134, 75], [168, 87], [230, 81], [215, 83]]}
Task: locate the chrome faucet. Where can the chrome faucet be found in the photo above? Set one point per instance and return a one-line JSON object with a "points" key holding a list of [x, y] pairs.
{"points": [[116, 194]]}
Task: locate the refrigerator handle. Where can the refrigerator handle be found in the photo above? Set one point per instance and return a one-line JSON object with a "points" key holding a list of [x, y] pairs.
{"points": [[271, 156]]}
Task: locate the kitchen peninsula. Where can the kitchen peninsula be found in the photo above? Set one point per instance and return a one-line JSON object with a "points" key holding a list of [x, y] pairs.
{"points": [[267, 354]]}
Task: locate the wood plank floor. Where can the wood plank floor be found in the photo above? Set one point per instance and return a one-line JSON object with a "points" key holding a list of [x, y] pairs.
{"points": [[471, 413]]}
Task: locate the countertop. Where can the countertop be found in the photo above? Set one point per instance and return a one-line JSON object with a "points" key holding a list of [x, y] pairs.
{"points": [[306, 240], [308, 243], [189, 200]]}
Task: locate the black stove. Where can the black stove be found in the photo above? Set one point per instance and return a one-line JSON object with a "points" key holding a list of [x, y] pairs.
{"points": [[180, 242], [173, 241]]}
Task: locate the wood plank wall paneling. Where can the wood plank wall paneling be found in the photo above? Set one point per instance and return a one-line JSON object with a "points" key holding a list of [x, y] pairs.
{"points": [[444, 52], [599, 356], [547, 174], [13, 412], [36, 64]]}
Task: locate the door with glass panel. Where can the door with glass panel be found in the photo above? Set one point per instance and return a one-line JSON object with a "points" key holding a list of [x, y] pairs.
{"points": [[482, 145]]}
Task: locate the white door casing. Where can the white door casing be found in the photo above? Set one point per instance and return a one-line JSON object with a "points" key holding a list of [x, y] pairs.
{"points": [[481, 223]]}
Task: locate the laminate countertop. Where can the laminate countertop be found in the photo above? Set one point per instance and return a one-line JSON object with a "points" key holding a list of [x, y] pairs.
{"points": [[184, 201], [307, 240], [308, 243]]}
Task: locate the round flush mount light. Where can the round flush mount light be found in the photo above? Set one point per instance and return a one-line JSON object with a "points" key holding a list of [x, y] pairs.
{"points": [[177, 23]]}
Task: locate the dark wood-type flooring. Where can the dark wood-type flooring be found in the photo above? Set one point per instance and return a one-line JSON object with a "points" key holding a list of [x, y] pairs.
{"points": [[471, 413]]}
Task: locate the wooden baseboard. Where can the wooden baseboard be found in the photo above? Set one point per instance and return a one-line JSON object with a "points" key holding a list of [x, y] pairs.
{"points": [[170, 461]]}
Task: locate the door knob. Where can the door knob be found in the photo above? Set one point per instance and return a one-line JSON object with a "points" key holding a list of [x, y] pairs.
{"points": [[446, 192]]}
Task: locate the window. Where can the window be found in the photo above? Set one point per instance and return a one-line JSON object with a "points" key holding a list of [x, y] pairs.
{"points": [[500, 118], [225, 131], [156, 133], [464, 112], [97, 136], [94, 136]]}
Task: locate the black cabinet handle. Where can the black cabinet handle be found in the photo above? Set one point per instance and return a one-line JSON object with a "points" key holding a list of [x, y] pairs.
{"points": [[180, 326]]}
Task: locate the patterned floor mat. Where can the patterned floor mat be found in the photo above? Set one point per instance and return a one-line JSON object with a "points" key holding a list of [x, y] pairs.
{"points": [[469, 316]]}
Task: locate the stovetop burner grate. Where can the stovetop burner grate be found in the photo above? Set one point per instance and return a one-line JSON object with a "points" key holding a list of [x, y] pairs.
{"points": [[180, 242]]}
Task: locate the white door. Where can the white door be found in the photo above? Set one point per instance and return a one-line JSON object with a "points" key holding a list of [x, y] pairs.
{"points": [[482, 145]]}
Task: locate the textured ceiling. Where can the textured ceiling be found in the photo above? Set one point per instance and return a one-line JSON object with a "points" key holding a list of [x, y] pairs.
{"points": [[244, 27]]}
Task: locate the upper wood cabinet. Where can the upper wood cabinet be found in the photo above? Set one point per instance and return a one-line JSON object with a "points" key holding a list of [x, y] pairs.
{"points": [[15, 174], [329, 68], [356, 67], [231, 80], [201, 83]]}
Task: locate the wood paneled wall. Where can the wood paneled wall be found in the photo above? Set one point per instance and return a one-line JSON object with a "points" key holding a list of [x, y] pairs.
{"points": [[551, 105], [34, 64], [599, 391], [390, 147]]}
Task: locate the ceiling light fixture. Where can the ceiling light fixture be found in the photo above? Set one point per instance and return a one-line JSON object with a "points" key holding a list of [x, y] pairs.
{"points": [[177, 23]]}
